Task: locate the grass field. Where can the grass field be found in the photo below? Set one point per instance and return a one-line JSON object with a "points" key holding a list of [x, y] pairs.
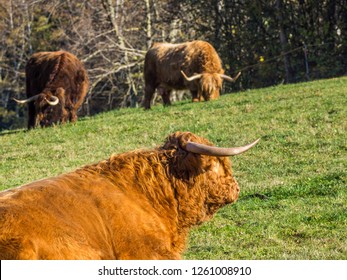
{"points": [[293, 201]]}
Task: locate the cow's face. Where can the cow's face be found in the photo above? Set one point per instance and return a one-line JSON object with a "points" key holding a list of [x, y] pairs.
{"points": [[210, 85], [49, 110], [210, 176], [222, 187]]}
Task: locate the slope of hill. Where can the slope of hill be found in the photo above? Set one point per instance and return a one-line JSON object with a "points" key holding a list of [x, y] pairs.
{"points": [[293, 183]]}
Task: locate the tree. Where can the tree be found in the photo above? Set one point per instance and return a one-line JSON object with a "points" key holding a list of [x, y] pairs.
{"points": [[264, 39]]}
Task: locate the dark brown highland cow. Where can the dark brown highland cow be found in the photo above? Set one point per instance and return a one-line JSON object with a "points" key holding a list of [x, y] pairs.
{"points": [[192, 65], [56, 85], [135, 205]]}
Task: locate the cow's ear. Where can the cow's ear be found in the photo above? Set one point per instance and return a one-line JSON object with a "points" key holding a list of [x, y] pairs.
{"points": [[60, 92]]}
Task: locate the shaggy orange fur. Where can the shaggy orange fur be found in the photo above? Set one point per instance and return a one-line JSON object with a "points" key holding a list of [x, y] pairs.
{"points": [[163, 65], [60, 74], [135, 205]]}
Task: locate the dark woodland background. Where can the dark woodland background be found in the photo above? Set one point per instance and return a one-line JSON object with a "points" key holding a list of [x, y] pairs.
{"points": [[271, 42]]}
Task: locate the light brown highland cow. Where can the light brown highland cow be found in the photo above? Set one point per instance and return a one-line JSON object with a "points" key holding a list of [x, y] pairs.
{"points": [[191, 65], [135, 205]]}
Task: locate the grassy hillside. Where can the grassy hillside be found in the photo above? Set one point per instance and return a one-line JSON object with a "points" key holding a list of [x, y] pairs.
{"points": [[293, 202]]}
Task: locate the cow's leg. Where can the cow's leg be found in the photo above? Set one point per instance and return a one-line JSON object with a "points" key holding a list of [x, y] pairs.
{"points": [[204, 97], [149, 91], [165, 94], [72, 117], [200, 96], [194, 95], [31, 115]]}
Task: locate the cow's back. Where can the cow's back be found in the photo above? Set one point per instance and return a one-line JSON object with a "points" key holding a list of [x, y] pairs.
{"points": [[38, 71], [164, 62], [204, 58], [51, 70], [80, 216], [52, 219]]}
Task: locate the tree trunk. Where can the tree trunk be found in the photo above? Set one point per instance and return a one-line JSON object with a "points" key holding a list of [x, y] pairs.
{"points": [[283, 41], [149, 24], [117, 17]]}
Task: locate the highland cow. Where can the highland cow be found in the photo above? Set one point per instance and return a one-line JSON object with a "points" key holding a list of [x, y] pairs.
{"points": [[192, 65], [136, 205], [56, 86]]}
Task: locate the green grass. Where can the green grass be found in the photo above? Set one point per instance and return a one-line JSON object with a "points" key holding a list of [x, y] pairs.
{"points": [[293, 201]]}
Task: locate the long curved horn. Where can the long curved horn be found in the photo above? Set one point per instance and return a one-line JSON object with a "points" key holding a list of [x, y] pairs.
{"points": [[229, 79], [32, 98], [218, 152], [192, 78], [54, 102]]}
